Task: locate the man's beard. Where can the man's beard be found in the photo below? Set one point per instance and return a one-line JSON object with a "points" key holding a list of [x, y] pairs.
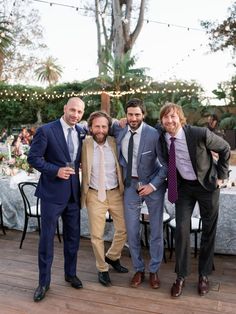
{"points": [[98, 139]]}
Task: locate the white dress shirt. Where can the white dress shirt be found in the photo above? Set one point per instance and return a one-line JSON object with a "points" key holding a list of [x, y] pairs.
{"points": [[183, 161], [74, 135], [111, 180], [125, 144]]}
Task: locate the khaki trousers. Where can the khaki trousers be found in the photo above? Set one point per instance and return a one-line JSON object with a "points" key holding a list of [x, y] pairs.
{"points": [[97, 220]]}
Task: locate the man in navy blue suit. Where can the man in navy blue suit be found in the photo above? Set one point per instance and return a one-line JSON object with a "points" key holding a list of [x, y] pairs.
{"points": [[54, 145]]}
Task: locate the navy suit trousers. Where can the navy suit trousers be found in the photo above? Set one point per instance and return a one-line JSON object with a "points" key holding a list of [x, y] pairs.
{"points": [[50, 213]]}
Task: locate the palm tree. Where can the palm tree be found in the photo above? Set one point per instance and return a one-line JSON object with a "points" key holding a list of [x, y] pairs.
{"points": [[121, 76], [49, 71]]}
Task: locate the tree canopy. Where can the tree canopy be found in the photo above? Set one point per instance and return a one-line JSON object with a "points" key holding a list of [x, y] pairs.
{"points": [[222, 35]]}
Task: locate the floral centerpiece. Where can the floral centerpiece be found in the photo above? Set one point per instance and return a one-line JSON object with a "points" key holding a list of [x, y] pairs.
{"points": [[21, 162], [12, 166]]}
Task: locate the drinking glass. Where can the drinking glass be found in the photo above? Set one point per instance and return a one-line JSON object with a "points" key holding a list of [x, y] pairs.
{"points": [[71, 164], [138, 187]]}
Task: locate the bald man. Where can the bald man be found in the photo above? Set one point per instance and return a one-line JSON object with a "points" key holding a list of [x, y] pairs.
{"points": [[54, 146]]}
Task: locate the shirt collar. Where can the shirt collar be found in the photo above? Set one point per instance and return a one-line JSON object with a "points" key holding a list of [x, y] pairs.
{"points": [[180, 134], [138, 131], [96, 145], [65, 125]]}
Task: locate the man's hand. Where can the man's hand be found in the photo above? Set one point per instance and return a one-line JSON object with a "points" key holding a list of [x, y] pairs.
{"points": [[65, 172], [123, 122], [145, 190], [221, 183]]}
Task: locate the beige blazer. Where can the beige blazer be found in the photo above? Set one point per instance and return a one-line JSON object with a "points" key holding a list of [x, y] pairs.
{"points": [[87, 160]]}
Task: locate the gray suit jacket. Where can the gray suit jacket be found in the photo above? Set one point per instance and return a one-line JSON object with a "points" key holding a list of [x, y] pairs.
{"points": [[201, 141], [152, 167]]}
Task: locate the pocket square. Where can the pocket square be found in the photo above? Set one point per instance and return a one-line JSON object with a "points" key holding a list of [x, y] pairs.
{"points": [[147, 152]]}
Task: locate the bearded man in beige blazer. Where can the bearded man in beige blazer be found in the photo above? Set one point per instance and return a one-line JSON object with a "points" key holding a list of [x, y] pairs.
{"points": [[102, 190]]}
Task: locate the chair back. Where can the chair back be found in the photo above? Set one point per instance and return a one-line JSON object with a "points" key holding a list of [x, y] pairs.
{"points": [[196, 224], [31, 202]]}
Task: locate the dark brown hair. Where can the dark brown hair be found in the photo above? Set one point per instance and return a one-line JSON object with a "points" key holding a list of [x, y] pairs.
{"points": [[135, 102]]}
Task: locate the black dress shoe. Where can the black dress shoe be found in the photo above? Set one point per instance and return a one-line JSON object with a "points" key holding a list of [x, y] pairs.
{"points": [[104, 278], [40, 293], [116, 265], [75, 281]]}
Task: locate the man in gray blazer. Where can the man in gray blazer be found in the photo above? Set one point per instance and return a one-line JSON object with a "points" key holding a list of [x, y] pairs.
{"points": [[149, 169], [199, 177]]}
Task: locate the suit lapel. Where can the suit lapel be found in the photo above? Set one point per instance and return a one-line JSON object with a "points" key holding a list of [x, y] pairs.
{"points": [[60, 137], [112, 144], [119, 139], [81, 137], [89, 156], [191, 143], [113, 147], [142, 142]]}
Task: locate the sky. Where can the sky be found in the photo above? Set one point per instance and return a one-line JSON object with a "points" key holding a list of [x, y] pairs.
{"points": [[168, 52]]}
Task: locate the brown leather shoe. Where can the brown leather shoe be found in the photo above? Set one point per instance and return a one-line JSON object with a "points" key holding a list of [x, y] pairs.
{"points": [[177, 287], [137, 279], [154, 281], [203, 285]]}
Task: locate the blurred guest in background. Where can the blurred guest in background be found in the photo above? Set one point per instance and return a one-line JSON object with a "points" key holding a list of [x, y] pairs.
{"points": [[212, 122], [3, 135], [24, 136], [17, 147], [31, 132]]}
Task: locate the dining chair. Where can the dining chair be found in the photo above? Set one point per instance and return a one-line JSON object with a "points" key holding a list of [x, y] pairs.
{"points": [[195, 228], [108, 217], [31, 208], [1, 219], [144, 220]]}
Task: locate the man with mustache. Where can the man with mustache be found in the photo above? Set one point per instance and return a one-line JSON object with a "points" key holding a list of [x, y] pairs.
{"points": [[102, 190]]}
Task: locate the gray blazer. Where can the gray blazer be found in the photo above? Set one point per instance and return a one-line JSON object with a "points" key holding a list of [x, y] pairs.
{"points": [[201, 141], [152, 167]]}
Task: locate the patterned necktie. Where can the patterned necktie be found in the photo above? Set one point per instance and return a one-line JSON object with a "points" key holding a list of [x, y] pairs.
{"points": [[172, 173], [101, 180], [70, 144], [130, 159]]}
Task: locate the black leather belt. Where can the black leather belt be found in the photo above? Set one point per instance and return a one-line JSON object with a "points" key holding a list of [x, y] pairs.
{"points": [[106, 190], [134, 177]]}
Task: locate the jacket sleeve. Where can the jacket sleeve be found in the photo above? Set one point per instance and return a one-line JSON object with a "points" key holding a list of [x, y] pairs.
{"points": [[218, 145], [36, 157]]}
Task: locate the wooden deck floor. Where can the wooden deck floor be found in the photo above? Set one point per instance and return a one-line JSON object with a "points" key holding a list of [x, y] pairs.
{"points": [[19, 274]]}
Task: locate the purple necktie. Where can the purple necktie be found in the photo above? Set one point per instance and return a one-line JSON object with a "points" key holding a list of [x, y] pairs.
{"points": [[172, 174]]}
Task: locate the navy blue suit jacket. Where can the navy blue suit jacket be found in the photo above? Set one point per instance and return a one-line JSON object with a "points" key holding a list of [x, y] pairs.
{"points": [[47, 154]]}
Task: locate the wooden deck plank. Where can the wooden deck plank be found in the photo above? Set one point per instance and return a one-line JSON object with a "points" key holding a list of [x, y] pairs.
{"points": [[19, 275]]}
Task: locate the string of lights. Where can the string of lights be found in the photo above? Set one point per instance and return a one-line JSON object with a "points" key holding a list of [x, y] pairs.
{"points": [[183, 59], [50, 3], [81, 11], [61, 4], [26, 95]]}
